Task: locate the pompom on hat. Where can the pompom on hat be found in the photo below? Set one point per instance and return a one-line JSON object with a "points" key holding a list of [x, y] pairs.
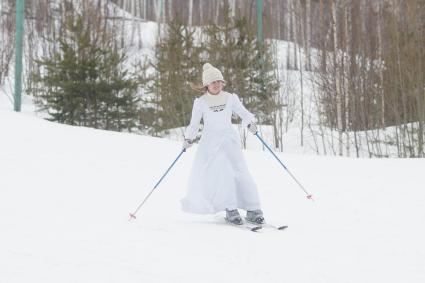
{"points": [[210, 74]]}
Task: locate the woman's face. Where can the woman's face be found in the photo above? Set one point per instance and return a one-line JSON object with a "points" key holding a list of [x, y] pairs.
{"points": [[215, 87]]}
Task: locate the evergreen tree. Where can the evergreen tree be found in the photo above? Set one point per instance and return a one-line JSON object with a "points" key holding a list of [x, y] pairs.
{"points": [[84, 82], [177, 62], [248, 65]]}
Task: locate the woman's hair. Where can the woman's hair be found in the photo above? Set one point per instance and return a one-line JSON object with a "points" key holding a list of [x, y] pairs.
{"points": [[198, 88]]}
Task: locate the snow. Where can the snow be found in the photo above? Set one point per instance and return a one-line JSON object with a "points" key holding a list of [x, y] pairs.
{"points": [[66, 192], [65, 195]]}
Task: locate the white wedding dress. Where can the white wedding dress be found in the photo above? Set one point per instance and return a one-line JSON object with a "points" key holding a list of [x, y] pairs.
{"points": [[219, 178]]}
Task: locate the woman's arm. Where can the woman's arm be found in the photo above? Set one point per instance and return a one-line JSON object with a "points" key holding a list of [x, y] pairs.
{"points": [[192, 129], [246, 116]]}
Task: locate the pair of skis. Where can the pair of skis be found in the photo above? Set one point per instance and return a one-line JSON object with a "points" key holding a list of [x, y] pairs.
{"points": [[255, 227]]}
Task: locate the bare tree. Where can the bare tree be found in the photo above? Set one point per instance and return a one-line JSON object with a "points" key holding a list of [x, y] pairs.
{"points": [[337, 82]]}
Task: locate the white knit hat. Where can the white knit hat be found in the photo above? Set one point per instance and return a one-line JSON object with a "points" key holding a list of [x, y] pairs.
{"points": [[210, 74]]}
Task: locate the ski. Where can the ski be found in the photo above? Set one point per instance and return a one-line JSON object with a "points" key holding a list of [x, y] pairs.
{"points": [[253, 227], [267, 225]]}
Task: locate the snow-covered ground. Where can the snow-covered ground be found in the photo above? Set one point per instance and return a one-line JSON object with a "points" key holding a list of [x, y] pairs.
{"points": [[65, 195]]}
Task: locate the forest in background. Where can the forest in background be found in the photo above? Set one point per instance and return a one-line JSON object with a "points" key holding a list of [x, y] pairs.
{"points": [[367, 57]]}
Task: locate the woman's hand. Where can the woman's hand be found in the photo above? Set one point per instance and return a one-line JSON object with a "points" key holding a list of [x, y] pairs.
{"points": [[252, 128], [187, 143]]}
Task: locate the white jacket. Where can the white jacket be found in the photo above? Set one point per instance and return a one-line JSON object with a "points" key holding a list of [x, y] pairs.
{"points": [[219, 178]]}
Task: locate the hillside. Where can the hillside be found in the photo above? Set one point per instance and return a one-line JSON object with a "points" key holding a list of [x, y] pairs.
{"points": [[65, 195]]}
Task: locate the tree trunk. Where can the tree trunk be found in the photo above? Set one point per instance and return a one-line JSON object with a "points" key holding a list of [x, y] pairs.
{"points": [[145, 10], [201, 13], [170, 11], [345, 77], [279, 21], [301, 100], [333, 7], [294, 34], [190, 15], [232, 8], [288, 33], [308, 34], [217, 11], [301, 64], [381, 70]]}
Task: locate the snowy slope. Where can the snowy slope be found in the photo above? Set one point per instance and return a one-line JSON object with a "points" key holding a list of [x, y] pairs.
{"points": [[65, 195]]}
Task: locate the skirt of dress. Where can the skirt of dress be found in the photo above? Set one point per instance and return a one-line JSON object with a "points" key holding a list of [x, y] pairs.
{"points": [[219, 178]]}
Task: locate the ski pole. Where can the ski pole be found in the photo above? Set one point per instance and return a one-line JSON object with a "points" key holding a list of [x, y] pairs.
{"points": [[309, 196], [133, 215]]}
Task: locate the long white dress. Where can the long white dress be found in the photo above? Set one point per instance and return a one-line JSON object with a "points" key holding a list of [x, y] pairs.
{"points": [[219, 178]]}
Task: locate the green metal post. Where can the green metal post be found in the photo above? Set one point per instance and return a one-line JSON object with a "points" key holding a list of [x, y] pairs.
{"points": [[20, 5], [161, 9], [260, 21]]}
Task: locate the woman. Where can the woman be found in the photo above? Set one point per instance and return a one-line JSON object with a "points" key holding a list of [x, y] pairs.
{"points": [[220, 179]]}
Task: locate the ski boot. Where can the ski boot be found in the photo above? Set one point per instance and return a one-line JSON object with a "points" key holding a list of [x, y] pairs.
{"points": [[255, 216], [233, 216]]}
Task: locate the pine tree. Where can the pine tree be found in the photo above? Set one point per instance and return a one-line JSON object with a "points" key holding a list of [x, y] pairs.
{"points": [[264, 84], [84, 82], [177, 62], [248, 66]]}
